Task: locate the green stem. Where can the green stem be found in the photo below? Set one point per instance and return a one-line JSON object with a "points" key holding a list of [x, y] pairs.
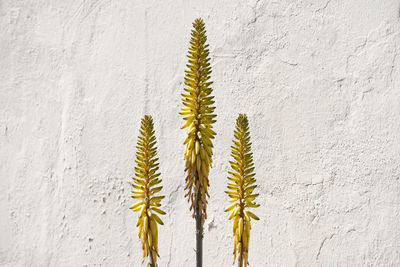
{"points": [[199, 230]]}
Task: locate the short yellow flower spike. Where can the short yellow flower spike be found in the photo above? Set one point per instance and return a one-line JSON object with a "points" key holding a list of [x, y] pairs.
{"points": [[146, 185], [199, 117], [241, 187]]}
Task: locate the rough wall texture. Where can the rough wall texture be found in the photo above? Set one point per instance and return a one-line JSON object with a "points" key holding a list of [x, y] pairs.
{"points": [[319, 80]]}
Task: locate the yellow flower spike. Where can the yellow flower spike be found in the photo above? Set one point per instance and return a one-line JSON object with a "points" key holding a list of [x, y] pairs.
{"points": [[240, 190], [146, 184], [198, 115], [197, 112]]}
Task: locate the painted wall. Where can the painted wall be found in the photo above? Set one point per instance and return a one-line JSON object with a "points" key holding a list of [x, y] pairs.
{"points": [[319, 80]]}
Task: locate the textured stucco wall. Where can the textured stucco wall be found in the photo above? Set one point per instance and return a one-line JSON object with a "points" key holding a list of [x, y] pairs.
{"points": [[319, 80]]}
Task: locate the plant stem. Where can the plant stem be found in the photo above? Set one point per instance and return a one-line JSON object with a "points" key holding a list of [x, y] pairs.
{"points": [[199, 230], [152, 263], [240, 260], [241, 204]]}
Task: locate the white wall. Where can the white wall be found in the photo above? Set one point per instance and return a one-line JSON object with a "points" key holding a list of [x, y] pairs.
{"points": [[319, 80]]}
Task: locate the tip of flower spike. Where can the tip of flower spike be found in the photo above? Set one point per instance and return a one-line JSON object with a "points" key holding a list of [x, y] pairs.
{"points": [[242, 119], [198, 24], [198, 21], [147, 124]]}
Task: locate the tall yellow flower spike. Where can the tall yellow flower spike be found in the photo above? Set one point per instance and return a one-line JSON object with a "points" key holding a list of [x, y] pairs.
{"points": [[146, 185], [199, 118], [241, 187]]}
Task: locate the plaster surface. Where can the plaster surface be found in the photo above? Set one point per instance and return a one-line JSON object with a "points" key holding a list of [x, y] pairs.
{"points": [[319, 80]]}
